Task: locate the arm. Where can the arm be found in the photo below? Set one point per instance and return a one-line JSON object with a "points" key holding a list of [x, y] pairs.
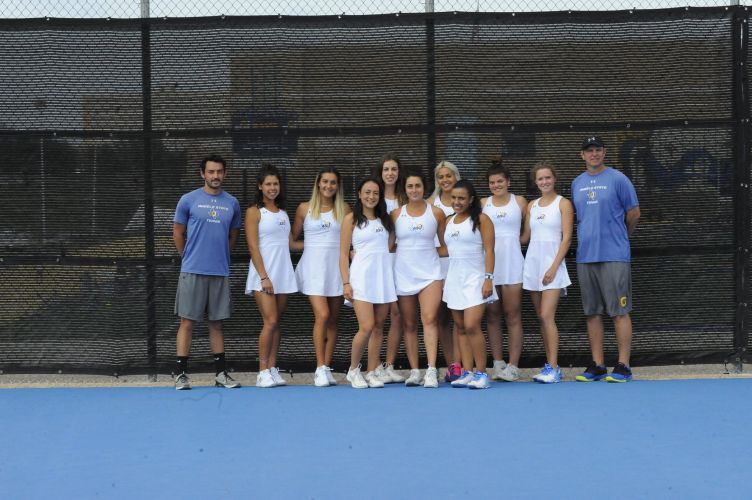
{"points": [[252, 219], [297, 228], [489, 238], [179, 237], [345, 240], [441, 221], [525, 236], [567, 225], [631, 219], [522, 203], [393, 235]]}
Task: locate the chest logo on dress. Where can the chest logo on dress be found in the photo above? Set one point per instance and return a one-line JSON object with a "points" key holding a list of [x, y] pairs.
{"points": [[379, 229], [500, 215], [282, 221], [541, 217], [454, 234], [416, 227], [326, 225]]}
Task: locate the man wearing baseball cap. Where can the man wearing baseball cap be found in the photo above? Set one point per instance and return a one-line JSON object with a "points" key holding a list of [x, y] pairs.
{"points": [[607, 213]]}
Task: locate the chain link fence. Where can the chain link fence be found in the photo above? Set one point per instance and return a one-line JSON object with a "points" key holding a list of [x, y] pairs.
{"points": [[130, 9]]}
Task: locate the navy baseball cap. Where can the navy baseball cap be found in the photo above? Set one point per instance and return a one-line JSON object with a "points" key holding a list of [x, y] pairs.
{"points": [[592, 141]]}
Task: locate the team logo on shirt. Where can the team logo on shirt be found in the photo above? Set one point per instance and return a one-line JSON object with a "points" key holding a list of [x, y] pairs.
{"points": [[417, 227], [379, 229], [454, 234], [591, 195], [623, 301], [541, 217], [326, 225], [282, 221], [501, 215], [213, 214]]}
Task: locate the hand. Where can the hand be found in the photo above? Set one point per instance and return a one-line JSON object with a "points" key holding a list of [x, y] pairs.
{"points": [[348, 292], [487, 288], [549, 276], [267, 287]]}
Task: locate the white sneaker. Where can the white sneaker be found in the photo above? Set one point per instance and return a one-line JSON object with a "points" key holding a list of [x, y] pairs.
{"points": [[265, 379], [373, 380], [356, 378], [464, 379], [510, 373], [431, 380], [479, 381], [498, 369], [393, 375], [414, 378], [319, 377], [329, 376], [278, 380], [381, 374]]}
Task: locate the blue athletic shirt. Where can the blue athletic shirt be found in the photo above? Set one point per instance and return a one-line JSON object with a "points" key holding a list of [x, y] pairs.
{"points": [[208, 220], [601, 201]]}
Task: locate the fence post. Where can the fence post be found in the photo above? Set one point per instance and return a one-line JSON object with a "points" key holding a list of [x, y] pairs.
{"points": [[741, 138], [151, 306], [430, 89]]}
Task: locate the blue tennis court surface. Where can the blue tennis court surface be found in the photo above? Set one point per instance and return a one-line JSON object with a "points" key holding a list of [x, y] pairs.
{"points": [[645, 439]]}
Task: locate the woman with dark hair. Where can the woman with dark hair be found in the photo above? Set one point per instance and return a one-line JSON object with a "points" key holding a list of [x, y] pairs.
{"points": [[548, 225], [390, 173], [317, 274], [369, 281], [507, 212], [417, 275], [469, 238], [445, 176], [270, 274]]}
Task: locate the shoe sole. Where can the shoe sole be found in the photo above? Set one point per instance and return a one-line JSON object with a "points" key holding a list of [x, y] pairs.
{"points": [[617, 381], [475, 387], [412, 384], [236, 386], [188, 388], [581, 378]]}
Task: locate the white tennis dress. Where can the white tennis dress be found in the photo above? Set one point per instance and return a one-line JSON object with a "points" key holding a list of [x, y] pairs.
{"points": [[545, 240], [274, 244], [391, 204], [371, 274], [416, 262], [447, 211], [507, 221], [317, 272], [463, 287]]}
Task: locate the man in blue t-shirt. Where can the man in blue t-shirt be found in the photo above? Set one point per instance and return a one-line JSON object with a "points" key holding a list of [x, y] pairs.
{"points": [[205, 229], [607, 213]]}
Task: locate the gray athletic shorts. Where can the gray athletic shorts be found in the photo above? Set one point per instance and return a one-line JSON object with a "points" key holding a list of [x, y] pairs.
{"points": [[202, 295], [605, 287]]}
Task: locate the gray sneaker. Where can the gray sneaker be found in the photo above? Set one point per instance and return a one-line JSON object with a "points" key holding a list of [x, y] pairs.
{"points": [[182, 383], [224, 380]]}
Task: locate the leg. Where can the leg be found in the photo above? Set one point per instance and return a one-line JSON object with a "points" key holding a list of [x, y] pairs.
{"points": [[267, 306], [548, 301], [395, 335], [474, 335], [512, 306], [462, 349], [216, 337], [408, 305], [445, 333], [320, 307], [595, 335], [335, 303], [493, 325], [375, 342], [623, 326], [184, 337], [281, 300], [467, 354], [430, 301]]}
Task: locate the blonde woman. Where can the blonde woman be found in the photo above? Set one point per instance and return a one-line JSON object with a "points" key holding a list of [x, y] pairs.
{"points": [[317, 273]]}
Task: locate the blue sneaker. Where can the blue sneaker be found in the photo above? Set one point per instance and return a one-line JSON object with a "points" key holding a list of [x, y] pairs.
{"points": [[479, 381], [464, 379], [593, 373], [548, 375], [621, 373]]}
